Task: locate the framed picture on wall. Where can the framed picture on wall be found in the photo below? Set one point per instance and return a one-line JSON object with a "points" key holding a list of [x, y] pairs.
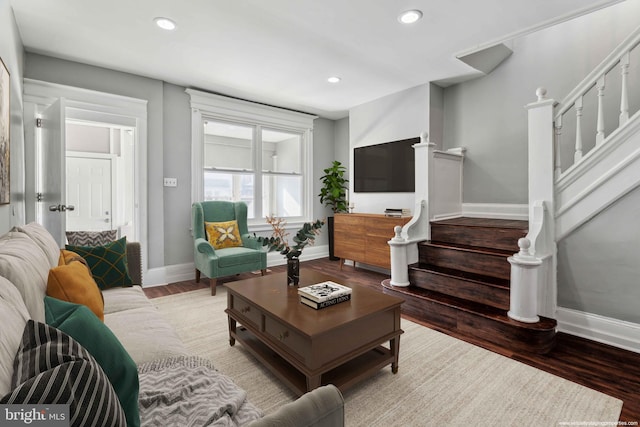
{"points": [[5, 118]]}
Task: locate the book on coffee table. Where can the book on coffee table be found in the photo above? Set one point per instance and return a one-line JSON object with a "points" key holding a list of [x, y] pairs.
{"points": [[327, 303], [324, 291]]}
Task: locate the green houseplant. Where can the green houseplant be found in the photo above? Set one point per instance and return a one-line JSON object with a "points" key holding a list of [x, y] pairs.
{"points": [[334, 195], [306, 235]]}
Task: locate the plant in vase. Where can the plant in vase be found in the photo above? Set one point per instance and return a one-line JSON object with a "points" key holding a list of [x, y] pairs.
{"points": [[334, 195], [279, 242]]}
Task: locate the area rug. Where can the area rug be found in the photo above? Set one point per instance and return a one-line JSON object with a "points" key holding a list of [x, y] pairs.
{"points": [[441, 380]]}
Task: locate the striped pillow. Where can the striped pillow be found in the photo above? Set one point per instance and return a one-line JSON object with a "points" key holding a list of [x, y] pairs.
{"points": [[52, 368], [91, 238]]}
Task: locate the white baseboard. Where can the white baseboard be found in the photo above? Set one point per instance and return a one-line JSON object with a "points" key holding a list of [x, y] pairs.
{"points": [[180, 272], [618, 333], [309, 253], [169, 274], [496, 210]]}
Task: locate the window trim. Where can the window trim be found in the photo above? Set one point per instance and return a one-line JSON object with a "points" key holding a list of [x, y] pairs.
{"points": [[207, 106]]}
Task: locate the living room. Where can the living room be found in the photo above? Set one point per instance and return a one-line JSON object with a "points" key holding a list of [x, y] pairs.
{"points": [[485, 115]]}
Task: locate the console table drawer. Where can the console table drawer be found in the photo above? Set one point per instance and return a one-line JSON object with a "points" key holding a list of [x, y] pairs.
{"points": [[290, 340], [247, 310]]}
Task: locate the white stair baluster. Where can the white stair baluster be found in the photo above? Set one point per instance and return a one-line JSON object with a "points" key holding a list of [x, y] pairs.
{"points": [[624, 99], [578, 153], [600, 124], [558, 160]]}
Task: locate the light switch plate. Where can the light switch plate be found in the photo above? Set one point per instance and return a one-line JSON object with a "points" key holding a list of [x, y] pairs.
{"points": [[171, 182]]}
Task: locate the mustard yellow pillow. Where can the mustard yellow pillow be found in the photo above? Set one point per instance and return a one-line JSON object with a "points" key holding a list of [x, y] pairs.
{"points": [[223, 234], [74, 283], [67, 256]]}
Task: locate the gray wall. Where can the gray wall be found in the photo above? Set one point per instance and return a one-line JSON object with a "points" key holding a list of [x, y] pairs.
{"points": [[599, 264], [341, 141], [12, 54], [168, 150], [323, 156], [486, 115], [178, 243], [397, 116]]}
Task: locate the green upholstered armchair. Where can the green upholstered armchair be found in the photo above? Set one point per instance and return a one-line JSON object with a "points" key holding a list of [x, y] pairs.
{"points": [[215, 263]]}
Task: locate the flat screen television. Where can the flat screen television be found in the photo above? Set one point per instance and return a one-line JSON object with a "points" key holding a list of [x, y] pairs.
{"points": [[385, 168]]}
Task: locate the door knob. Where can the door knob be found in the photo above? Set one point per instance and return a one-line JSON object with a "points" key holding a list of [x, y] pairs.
{"points": [[61, 208]]}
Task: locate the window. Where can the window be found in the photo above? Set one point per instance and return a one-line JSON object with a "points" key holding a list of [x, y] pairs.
{"points": [[253, 153]]}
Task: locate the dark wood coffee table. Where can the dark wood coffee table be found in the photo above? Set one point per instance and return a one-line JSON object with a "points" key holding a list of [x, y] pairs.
{"points": [[306, 348]]}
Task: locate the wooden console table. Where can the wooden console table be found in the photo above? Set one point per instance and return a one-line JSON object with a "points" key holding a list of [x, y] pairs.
{"points": [[363, 237]]}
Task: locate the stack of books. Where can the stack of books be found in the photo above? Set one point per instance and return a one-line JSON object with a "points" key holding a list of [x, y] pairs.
{"points": [[324, 294], [397, 212]]}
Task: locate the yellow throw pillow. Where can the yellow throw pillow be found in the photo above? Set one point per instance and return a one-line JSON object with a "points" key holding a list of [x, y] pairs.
{"points": [[67, 256], [73, 283], [223, 234]]}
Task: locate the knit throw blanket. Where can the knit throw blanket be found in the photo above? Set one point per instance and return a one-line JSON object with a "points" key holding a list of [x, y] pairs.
{"points": [[188, 391]]}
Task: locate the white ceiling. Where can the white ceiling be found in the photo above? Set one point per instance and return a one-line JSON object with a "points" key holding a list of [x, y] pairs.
{"points": [[281, 52]]}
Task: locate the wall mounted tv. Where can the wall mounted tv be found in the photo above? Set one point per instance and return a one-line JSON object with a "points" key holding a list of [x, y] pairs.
{"points": [[385, 168]]}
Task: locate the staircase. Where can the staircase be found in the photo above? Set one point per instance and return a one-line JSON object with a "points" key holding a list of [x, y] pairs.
{"points": [[461, 284]]}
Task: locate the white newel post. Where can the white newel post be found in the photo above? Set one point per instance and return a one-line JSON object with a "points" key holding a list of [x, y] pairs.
{"points": [[524, 284], [403, 246], [533, 269], [399, 263]]}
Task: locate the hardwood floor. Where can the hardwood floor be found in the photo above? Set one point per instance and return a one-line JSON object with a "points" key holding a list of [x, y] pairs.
{"points": [[607, 369]]}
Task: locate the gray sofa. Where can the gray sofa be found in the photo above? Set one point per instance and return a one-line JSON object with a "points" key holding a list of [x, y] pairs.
{"points": [[26, 255]]}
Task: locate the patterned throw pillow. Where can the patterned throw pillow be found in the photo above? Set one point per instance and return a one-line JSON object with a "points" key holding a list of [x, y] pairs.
{"points": [[52, 368], [223, 234], [108, 263], [91, 238]]}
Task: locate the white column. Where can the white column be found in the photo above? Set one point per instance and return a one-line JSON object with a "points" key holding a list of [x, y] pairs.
{"points": [[541, 150], [541, 194], [524, 284]]}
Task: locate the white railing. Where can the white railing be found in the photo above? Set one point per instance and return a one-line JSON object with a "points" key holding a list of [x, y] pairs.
{"points": [[617, 61], [431, 201], [533, 269]]}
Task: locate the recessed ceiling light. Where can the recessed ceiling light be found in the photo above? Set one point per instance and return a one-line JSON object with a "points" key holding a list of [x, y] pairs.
{"points": [[334, 79], [165, 23], [410, 16]]}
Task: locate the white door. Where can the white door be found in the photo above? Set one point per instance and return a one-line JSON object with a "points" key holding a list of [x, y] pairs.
{"points": [[89, 191], [53, 204]]}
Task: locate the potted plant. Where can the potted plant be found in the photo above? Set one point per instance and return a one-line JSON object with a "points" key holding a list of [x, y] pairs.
{"points": [[334, 195], [279, 242]]}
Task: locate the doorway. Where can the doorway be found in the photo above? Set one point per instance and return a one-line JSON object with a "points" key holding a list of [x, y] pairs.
{"points": [[125, 117], [99, 177]]}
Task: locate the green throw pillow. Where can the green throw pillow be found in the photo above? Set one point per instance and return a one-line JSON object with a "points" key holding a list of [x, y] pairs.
{"points": [[82, 325], [108, 263]]}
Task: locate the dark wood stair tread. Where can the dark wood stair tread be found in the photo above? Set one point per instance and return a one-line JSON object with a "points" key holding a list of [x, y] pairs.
{"points": [[484, 222], [483, 323], [472, 307], [468, 248], [471, 277]]}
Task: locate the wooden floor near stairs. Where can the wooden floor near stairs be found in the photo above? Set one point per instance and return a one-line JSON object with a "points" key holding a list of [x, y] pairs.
{"points": [[598, 366]]}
